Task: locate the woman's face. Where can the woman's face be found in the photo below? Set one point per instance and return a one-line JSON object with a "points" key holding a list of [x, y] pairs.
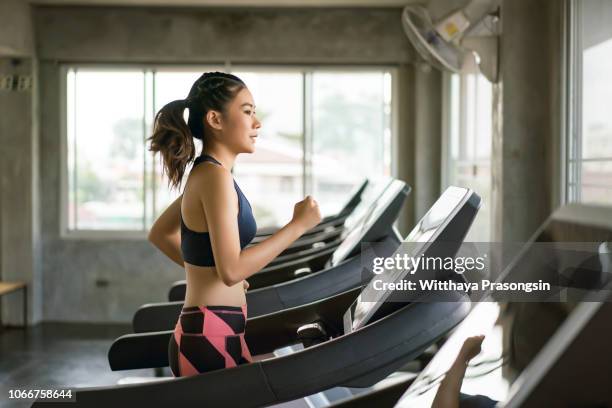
{"points": [[239, 123]]}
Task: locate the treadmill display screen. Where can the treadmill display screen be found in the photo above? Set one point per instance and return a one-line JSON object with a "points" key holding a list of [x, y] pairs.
{"points": [[355, 235], [428, 228], [372, 192]]}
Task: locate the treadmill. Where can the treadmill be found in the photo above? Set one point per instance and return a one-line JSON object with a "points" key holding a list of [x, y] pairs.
{"points": [[352, 352], [300, 264], [318, 246], [330, 220], [342, 274], [560, 353]]}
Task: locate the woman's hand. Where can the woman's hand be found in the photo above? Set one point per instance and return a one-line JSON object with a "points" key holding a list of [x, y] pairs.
{"points": [[165, 233], [450, 387], [245, 285], [471, 348], [306, 213]]}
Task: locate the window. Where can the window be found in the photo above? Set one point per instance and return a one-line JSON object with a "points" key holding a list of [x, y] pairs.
{"points": [[105, 150], [351, 133], [589, 167], [322, 133], [272, 177], [113, 183], [467, 143]]}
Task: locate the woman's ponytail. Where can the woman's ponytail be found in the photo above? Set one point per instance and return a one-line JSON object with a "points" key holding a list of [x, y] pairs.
{"points": [[173, 140]]}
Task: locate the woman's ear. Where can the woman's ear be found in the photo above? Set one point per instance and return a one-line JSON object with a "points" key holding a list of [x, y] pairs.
{"points": [[213, 118]]}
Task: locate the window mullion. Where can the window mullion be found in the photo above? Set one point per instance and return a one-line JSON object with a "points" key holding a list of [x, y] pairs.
{"points": [[307, 140], [463, 122], [575, 103], [153, 162], [74, 150], [144, 154]]}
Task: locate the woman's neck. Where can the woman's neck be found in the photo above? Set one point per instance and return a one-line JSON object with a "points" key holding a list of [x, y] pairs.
{"points": [[222, 155]]}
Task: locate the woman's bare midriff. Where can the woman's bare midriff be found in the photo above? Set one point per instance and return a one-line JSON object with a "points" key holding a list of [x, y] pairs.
{"points": [[205, 288]]}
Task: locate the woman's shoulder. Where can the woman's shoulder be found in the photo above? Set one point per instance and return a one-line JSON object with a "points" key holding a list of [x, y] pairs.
{"points": [[210, 178]]}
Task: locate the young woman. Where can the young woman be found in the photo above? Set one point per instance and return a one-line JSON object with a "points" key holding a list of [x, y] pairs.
{"points": [[208, 227]]}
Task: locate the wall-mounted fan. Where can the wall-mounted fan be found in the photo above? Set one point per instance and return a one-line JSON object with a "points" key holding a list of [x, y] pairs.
{"points": [[447, 42]]}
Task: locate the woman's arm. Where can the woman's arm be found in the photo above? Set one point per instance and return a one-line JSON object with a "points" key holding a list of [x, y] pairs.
{"points": [[448, 392], [220, 204], [165, 233]]}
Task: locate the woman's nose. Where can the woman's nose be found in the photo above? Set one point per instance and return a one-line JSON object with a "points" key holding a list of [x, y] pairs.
{"points": [[257, 123]]}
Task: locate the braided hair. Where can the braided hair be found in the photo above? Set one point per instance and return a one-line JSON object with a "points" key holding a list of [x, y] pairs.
{"points": [[173, 137]]}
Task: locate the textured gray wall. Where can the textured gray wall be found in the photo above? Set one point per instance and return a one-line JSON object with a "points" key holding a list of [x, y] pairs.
{"points": [[136, 272], [20, 244], [420, 145], [525, 152], [428, 139], [239, 35], [405, 150], [16, 36]]}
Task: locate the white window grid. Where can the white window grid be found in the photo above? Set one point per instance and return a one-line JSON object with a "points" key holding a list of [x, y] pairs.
{"points": [[390, 140]]}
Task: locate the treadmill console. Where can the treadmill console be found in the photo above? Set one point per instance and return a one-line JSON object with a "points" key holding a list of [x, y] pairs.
{"points": [[370, 195], [448, 219], [355, 235]]}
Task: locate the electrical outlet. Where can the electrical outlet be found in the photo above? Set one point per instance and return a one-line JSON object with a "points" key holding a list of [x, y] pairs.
{"points": [[24, 83], [6, 82]]}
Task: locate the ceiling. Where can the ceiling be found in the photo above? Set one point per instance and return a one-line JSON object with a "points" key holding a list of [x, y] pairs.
{"points": [[235, 3]]}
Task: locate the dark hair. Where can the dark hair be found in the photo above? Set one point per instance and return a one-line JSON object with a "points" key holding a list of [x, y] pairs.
{"points": [[173, 137]]}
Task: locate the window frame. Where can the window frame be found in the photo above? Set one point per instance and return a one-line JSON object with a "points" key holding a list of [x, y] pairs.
{"points": [[306, 70], [572, 137], [446, 134]]}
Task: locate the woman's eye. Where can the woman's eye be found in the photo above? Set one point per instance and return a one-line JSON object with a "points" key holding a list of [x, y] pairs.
{"points": [[247, 112]]}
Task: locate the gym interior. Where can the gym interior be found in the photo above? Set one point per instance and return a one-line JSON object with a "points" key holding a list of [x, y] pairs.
{"points": [[422, 128]]}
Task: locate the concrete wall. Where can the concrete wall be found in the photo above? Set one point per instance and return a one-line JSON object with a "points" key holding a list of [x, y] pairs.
{"points": [[362, 36], [428, 139], [135, 272], [526, 149], [405, 151], [16, 34], [419, 150], [20, 247], [20, 258]]}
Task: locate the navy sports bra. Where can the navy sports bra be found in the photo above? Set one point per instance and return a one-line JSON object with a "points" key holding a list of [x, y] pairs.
{"points": [[196, 247]]}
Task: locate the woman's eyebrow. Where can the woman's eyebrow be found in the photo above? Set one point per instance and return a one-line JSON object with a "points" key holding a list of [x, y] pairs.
{"points": [[249, 104]]}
